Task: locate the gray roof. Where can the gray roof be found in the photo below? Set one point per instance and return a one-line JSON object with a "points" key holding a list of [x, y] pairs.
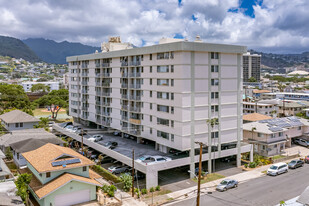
{"points": [[32, 144], [7, 194], [304, 197], [295, 104], [16, 116], [5, 170], [20, 135], [2, 155]]}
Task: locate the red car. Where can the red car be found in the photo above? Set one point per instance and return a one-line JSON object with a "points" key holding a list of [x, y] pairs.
{"points": [[307, 159]]}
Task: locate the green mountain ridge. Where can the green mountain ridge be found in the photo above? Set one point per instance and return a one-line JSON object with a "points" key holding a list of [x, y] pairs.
{"points": [[15, 48]]}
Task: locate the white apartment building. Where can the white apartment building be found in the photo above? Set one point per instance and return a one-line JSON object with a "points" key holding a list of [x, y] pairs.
{"points": [[28, 85], [164, 93]]}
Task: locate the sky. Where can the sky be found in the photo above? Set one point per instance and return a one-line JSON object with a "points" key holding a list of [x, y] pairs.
{"points": [[277, 26]]}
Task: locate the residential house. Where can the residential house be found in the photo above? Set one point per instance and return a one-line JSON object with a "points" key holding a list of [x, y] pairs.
{"points": [[18, 120], [61, 176], [270, 137], [254, 117], [29, 145], [291, 108]]}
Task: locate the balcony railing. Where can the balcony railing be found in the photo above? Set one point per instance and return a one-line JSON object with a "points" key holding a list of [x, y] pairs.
{"points": [[124, 96], [135, 74], [98, 74], [84, 74], [97, 65], [84, 108], [106, 113], [84, 66], [84, 90], [135, 97], [98, 84], [124, 85], [124, 107], [124, 74], [84, 83], [98, 111], [105, 64], [106, 74], [135, 86], [107, 104], [135, 63], [84, 99], [106, 123], [135, 121], [135, 132], [135, 109], [106, 84], [124, 63], [106, 94], [124, 118], [98, 102], [85, 116], [98, 121], [98, 93]]}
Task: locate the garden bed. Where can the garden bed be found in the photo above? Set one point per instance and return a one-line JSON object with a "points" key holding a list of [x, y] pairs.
{"points": [[209, 178]]}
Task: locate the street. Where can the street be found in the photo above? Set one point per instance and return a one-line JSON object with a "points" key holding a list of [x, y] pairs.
{"points": [[264, 191]]}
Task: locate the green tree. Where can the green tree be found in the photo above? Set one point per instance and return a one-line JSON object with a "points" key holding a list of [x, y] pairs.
{"points": [[40, 88], [252, 79], [43, 123], [127, 180], [281, 87], [8, 153], [22, 183]]}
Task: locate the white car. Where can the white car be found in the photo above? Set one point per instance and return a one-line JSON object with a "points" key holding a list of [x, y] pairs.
{"points": [[91, 139], [142, 158], [98, 137], [155, 159], [277, 169], [69, 128]]}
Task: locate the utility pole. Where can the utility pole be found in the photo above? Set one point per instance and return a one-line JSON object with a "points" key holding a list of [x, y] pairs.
{"points": [[283, 107], [82, 131], [199, 174], [133, 173]]}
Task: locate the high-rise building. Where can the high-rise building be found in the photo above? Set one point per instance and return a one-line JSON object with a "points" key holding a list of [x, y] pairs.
{"points": [[164, 93], [252, 66]]}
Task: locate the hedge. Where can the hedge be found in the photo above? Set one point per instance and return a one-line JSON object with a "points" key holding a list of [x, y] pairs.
{"points": [[106, 174]]}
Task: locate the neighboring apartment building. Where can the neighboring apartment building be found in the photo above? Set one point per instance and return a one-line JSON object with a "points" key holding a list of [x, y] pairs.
{"points": [[270, 137], [286, 96], [60, 176], [261, 108], [251, 66], [164, 93], [18, 120], [28, 85], [291, 108]]}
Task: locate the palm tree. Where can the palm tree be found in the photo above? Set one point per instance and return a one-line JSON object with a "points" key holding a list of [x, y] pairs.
{"points": [[281, 87], [211, 122]]}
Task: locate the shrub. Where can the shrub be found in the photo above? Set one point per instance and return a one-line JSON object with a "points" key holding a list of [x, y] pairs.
{"points": [[105, 188], [158, 188], [246, 165], [138, 192], [106, 174], [127, 180], [111, 190], [252, 164], [144, 191], [152, 189]]}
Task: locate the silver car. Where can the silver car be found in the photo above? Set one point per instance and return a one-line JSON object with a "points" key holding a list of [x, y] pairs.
{"points": [[227, 184]]}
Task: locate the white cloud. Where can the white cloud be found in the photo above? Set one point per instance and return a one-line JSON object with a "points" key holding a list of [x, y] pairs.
{"points": [[279, 25]]}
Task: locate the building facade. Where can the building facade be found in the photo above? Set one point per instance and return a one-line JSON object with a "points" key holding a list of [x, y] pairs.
{"points": [[28, 85], [164, 93], [251, 66]]}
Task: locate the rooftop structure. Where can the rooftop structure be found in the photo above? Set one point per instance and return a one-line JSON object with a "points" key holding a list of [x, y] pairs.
{"points": [[253, 117]]}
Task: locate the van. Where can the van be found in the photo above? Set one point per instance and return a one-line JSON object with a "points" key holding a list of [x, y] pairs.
{"points": [[277, 169]]}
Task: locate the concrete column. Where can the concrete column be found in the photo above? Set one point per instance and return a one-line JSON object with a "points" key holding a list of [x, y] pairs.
{"points": [[138, 140], [209, 159], [251, 154], [151, 179]]}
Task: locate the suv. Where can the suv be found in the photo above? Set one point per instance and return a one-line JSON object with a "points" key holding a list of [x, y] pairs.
{"points": [[302, 142], [110, 145], [156, 159], [277, 169]]}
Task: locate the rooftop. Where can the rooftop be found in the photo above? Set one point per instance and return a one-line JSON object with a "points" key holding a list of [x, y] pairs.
{"points": [[255, 117], [32, 144], [47, 157], [258, 91], [17, 116], [7, 194]]}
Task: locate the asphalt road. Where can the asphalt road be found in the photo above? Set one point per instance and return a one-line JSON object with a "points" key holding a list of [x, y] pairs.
{"points": [[263, 191]]}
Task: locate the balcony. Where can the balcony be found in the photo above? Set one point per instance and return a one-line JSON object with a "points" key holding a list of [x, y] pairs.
{"points": [[107, 94], [105, 64], [124, 85], [98, 111], [84, 99], [98, 121], [124, 128], [97, 74], [135, 121], [98, 102], [135, 63], [106, 84], [124, 96], [135, 74], [124, 74], [106, 113], [84, 108], [124, 64], [124, 107], [85, 116], [98, 93], [106, 123], [106, 74], [97, 65], [135, 109], [132, 97], [85, 83], [135, 86], [84, 66], [106, 104], [124, 118], [84, 74], [98, 84], [135, 132], [84, 90]]}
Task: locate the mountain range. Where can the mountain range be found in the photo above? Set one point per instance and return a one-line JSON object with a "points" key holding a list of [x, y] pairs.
{"points": [[39, 49]]}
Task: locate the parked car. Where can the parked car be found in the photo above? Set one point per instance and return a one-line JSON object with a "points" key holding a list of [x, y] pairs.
{"points": [[228, 159], [98, 137], [227, 184], [296, 163], [178, 152], [302, 142], [142, 158], [137, 175], [51, 123], [127, 136], [105, 159], [307, 159], [116, 133], [110, 145], [118, 169], [156, 159], [64, 124], [277, 169], [69, 128], [91, 139]]}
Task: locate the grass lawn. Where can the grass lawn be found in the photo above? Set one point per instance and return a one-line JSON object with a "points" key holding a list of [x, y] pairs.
{"points": [[42, 111], [278, 157], [264, 172], [157, 193], [210, 177]]}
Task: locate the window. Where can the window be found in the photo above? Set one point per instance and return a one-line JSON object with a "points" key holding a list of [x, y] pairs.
{"points": [[21, 124], [172, 82], [214, 68], [150, 69], [214, 108], [163, 134], [214, 95], [162, 82], [172, 137], [172, 55], [150, 131], [172, 110], [214, 82], [172, 68], [16, 124], [162, 69], [150, 105], [214, 135], [272, 135], [84, 168], [172, 123], [299, 128], [214, 55], [280, 134], [150, 93], [150, 118], [150, 57], [162, 95], [18, 156], [260, 135], [164, 122], [162, 108], [172, 96], [150, 81], [47, 174]]}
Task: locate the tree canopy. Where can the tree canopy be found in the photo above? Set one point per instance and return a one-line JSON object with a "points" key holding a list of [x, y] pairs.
{"points": [[40, 88], [57, 97], [252, 79]]}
